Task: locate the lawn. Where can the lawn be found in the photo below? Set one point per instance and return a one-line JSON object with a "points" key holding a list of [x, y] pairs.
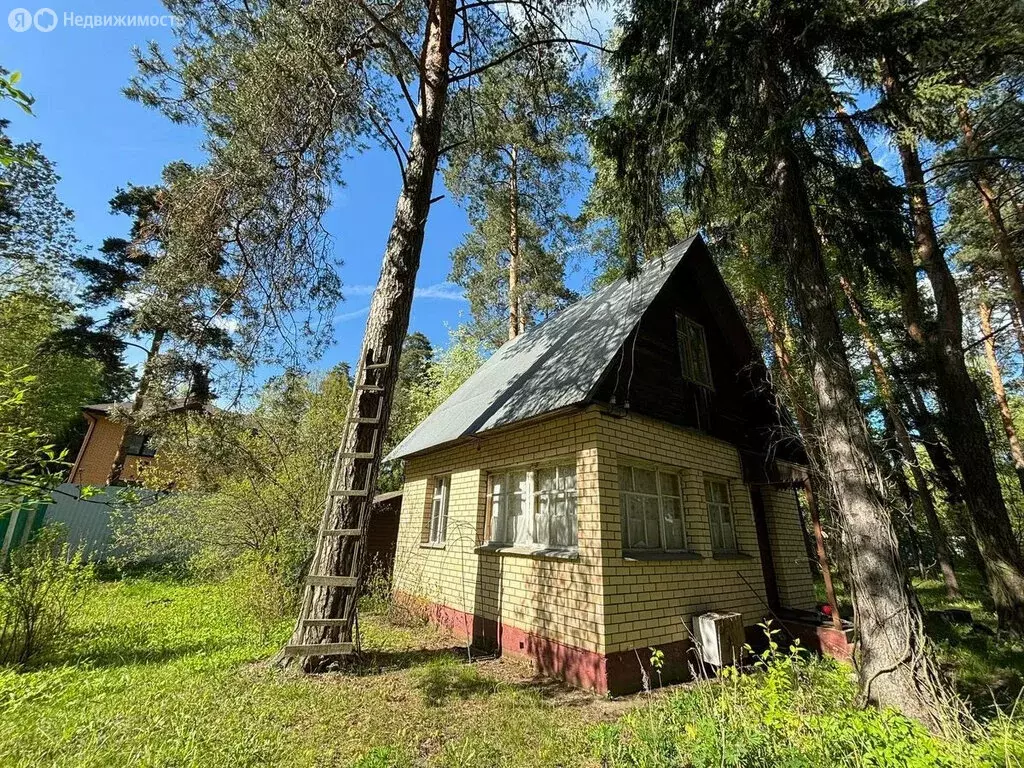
{"points": [[159, 672], [164, 672]]}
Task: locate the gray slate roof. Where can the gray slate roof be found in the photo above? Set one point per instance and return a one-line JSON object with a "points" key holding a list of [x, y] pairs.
{"points": [[553, 366]]}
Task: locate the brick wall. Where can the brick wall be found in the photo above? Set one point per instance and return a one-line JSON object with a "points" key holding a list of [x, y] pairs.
{"points": [[601, 602], [653, 602], [98, 451], [553, 598], [789, 552]]}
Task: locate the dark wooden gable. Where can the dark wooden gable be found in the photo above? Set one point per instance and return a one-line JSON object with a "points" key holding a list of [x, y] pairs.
{"points": [[646, 376]]}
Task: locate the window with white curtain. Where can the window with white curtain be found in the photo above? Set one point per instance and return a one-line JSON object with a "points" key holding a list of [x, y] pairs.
{"points": [[534, 507], [438, 530], [652, 509], [723, 533]]}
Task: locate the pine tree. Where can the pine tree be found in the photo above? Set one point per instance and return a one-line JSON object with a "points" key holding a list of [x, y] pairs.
{"points": [[741, 83], [516, 155]]}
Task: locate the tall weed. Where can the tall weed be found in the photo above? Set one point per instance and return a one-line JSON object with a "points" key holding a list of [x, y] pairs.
{"points": [[45, 583]]}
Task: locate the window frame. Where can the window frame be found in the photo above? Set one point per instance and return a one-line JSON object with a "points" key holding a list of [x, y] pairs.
{"points": [[437, 520], [658, 471], [146, 449], [687, 358], [498, 520], [728, 504]]}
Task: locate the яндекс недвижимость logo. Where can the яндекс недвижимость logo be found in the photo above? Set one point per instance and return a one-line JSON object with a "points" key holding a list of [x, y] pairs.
{"points": [[22, 19]]}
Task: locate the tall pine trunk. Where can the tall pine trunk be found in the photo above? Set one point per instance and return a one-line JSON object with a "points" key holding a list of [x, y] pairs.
{"points": [[942, 348], [1005, 414], [894, 664], [805, 423], [959, 401], [1001, 234], [389, 315], [899, 429], [515, 319], [145, 382]]}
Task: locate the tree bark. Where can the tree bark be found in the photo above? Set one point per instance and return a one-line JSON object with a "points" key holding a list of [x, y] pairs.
{"points": [[1004, 244], [387, 323], [895, 666], [805, 423], [899, 428], [941, 343], [1005, 414], [145, 381], [515, 319]]}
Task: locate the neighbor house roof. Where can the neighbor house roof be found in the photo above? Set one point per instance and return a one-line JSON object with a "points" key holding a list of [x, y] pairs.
{"points": [[126, 405], [556, 365]]}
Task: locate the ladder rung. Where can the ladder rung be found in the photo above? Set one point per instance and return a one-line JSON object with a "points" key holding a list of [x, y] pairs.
{"points": [[377, 366], [350, 492], [343, 532], [325, 622], [370, 387], [331, 581], [364, 420], [319, 649], [357, 455]]}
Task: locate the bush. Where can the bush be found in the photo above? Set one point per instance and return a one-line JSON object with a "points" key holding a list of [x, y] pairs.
{"points": [[794, 711], [263, 591], [44, 585]]}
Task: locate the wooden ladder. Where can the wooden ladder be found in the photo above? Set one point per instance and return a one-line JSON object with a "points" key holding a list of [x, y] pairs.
{"points": [[339, 491]]}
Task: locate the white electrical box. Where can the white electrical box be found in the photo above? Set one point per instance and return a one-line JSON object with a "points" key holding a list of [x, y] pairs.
{"points": [[719, 638]]}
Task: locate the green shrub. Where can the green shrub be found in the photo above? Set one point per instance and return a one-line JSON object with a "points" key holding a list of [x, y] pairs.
{"points": [[794, 710], [44, 584]]}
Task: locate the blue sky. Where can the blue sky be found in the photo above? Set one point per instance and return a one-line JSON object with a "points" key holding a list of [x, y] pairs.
{"points": [[99, 141]]}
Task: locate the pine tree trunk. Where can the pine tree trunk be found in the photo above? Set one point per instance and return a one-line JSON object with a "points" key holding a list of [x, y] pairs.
{"points": [[1004, 244], [895, 665], [389, 316], [899, 428], [145, 381], [805, 423], [1005, 415], [515, 319], [958, 397]]}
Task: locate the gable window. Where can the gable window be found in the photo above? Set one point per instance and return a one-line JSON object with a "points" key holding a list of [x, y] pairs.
{"points": [[534, 507], [693, 351], [439, 510], [652, 509], [137, 444], [723, 533]]}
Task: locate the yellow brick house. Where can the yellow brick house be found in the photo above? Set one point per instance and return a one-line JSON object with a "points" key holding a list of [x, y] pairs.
{"points": [[606, 477]]}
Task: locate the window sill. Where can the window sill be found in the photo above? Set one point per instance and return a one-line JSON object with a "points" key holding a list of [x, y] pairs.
{"points": [[536, 553], [432, 545], [731, 556], [640, 555]]}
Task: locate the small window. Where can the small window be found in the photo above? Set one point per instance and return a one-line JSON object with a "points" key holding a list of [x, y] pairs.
{"points": [[439, 510], [723, 533], [652, 509], [693, 351], [534, 508], [137, 444]]}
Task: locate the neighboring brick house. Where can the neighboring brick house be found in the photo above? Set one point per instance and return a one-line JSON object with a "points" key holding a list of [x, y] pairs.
{"points": [[99, 447], [102, 438], [604, 478]]}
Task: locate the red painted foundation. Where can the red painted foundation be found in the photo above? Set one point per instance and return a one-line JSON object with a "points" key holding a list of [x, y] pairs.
{"points": [[614, 673]]}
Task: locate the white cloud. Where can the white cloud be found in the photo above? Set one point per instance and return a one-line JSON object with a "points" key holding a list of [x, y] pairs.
{"points": [[355, 314], [443, 291], [358, 290]]}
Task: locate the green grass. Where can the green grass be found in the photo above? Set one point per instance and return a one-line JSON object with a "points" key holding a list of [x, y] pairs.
{"points": [[988, 671], [158, 672]]}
